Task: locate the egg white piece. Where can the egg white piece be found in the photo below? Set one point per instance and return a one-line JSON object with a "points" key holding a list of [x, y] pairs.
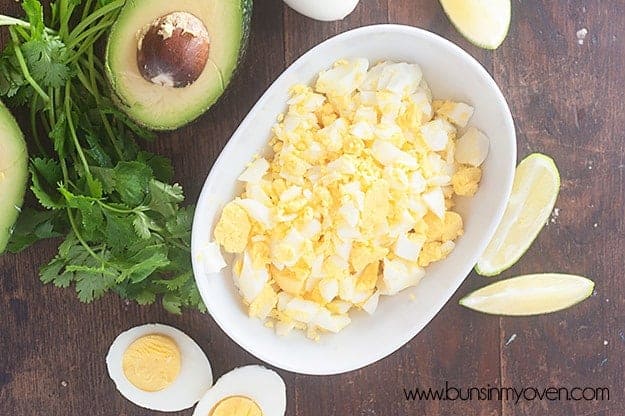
{"points": [[212, 258], [194, 379], [255, 171], [472, 148], [261, 385], [251, 281], [324, 10]]}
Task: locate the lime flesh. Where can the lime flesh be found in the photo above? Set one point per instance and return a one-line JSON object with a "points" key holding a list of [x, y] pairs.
{"points": [[484, 23], [532, 294], [534, 193]]}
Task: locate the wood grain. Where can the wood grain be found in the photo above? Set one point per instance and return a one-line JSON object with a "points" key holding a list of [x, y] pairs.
{"points": [[566, 99]]}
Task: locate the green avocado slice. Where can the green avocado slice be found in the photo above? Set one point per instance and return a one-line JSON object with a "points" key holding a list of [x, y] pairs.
{"points": [[163, 107], [13, 173]]}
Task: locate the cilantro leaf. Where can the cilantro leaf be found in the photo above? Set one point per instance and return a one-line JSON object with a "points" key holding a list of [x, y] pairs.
{"points": [[45, 173], [120, 232], [11, 78], [59, 135], [92, 284], [161, 166], [172, 304], [46, 61], [146, 262], [49, 169], [145, 297], [33, 225], [97, 152], [142, 226], [106, 176], [164, 198], [131, 181], [91, 215], [34, 12], [179, 226], [51, 272]]}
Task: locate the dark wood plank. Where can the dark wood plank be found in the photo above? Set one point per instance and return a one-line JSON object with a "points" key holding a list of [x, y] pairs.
{"points": [[302, 33], [566, 98]]}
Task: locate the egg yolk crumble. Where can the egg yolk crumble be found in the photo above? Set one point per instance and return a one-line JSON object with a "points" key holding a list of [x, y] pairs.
{"points": [[355, 201]]}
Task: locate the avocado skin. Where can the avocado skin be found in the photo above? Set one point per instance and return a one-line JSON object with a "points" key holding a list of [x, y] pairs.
{"points": [[13, 196], [246, 7]]}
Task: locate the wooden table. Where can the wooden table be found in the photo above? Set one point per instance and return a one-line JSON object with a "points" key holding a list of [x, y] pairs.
{"points": [[567, 101]]}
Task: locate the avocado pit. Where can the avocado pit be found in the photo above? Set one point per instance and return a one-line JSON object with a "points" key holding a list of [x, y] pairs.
{"points": [[173, 50]]}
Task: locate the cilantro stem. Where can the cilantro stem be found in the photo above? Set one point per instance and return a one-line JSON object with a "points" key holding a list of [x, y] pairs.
{"points": [[178, 244], [33, 125], [51, 112], [98, 30], [96, 94], [54, 15], [116, 210], [63, 18], [85, 10], [72, 222], [12, 21], [45, 122], [72, 129], [56, 99], [84, 81], [84, 47], [89, 20], [22, 31], [24, 67]]}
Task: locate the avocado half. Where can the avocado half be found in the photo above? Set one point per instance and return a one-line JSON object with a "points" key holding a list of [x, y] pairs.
{"points": [[13, 173], [164, 107]]}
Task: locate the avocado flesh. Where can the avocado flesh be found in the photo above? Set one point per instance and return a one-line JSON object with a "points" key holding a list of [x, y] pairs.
{"points": [[167, 108], [13, 173]]}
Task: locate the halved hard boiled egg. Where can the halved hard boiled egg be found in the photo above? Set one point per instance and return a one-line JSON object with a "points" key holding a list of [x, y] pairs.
{"points": [[246, 391], [324, 10], [159, 367]]}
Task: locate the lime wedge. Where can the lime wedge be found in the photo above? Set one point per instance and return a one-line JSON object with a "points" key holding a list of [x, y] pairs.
{"points": [[484, 23], [534, 193], [532, 294]]}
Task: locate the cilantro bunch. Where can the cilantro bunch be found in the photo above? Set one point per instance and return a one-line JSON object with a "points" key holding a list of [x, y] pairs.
{"points": [[115, 206]]}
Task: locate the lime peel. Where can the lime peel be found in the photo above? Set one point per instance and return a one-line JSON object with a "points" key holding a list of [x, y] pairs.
{"points": [[532, 294], [484, 23], [534, 194]]}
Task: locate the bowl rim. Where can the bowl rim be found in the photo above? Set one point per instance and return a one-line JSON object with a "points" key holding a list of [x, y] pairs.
{"points": [[381, 353]]}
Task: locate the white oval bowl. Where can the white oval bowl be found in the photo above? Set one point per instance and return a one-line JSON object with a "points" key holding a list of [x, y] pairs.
{"points": [[451, 73]]}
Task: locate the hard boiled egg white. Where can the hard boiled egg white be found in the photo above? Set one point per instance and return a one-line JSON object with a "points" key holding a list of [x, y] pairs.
{"points": [[326, 10], [246, 391], [159, 367]]}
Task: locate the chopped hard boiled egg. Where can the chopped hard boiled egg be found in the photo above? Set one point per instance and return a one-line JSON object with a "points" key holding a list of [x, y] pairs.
{"points": [[457, 113], [212, 259], [472, 147], [355, 200]]}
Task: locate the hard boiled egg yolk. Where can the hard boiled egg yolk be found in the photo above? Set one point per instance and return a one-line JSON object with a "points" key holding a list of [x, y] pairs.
{"points": [[236, 406], [233, 229], [152, 362]]}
